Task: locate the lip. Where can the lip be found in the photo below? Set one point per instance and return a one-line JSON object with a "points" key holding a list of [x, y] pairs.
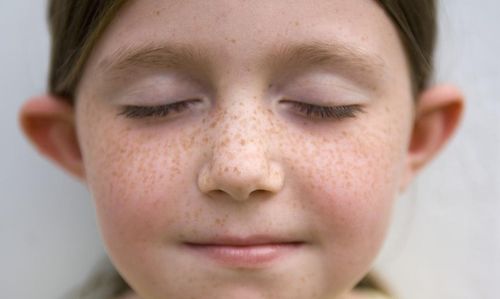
{"points": [[245, 252]]}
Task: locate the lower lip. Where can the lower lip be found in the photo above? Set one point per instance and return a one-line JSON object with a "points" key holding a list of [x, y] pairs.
{"points": [[245, 256]]}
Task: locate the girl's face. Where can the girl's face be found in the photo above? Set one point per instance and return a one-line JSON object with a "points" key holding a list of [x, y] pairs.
{"points": [[289, 135]]}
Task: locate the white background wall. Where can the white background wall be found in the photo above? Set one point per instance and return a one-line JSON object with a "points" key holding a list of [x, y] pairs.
{"points": [[445, 241]]}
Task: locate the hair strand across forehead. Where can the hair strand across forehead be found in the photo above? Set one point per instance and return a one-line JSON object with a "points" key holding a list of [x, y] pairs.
{"points": [[75, 27], [416, 24]]}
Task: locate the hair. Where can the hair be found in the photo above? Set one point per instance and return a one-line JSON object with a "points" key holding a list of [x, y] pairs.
{"points": [[76, 27]]}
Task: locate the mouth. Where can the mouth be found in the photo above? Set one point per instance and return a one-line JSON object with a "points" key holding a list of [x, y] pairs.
{"points": [[244, 252]]}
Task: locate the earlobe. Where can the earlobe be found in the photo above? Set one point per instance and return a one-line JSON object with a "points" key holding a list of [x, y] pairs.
{"points": [[438, 113], [49, 123]]}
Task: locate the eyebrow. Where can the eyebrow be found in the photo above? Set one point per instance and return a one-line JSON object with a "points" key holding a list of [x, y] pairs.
{"points": [[339, 56], [154, 56]]}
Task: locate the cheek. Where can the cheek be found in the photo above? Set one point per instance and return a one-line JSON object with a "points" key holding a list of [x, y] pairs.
{"points": [[354, 198], [136, 177], [348, 183]]}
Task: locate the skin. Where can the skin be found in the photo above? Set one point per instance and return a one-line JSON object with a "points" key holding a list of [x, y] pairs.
{"points": [[243, 161]]}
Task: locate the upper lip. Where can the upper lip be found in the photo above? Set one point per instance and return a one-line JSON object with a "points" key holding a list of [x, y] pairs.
{"points": [[253, 240]]}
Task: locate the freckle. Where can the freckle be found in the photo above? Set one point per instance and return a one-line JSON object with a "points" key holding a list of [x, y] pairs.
{"points": [[157, 12]]}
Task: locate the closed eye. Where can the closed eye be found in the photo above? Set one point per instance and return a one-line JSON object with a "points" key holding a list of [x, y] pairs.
{"points": [[326, 112], [159, 111]]}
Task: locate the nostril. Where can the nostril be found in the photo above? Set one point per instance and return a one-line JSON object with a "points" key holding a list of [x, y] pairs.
{"points": [[259, 193], [238, 195], [243, 179], [218, 192]]}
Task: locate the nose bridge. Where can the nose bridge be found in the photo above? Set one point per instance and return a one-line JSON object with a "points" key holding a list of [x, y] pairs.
{"points": [[241, 130], [240, 151], [240, 162]]}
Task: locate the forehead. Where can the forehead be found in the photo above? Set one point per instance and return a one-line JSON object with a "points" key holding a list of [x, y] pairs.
{"points": [[257, 18], [240, 32]]}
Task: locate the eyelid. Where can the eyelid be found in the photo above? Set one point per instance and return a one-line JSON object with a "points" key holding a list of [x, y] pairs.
{"points": [[156, 111], [338, 112]]}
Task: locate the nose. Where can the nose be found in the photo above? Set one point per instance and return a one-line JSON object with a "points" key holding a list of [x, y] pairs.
{"points": [[240, 163]]}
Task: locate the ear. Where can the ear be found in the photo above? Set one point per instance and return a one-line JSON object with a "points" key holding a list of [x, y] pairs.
{"points": [[438, 112], [49, 123]]}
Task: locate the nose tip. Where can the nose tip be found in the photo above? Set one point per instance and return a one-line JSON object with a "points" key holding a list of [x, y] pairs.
{"points": [[240, 180], [239, 163]]}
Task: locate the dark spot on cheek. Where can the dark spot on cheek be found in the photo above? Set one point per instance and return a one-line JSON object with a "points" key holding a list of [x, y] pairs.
{"points": [[232, 40], [236, 170]]}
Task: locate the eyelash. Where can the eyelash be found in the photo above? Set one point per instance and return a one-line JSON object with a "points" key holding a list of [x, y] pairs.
{"points": [[308, 110], [133, 111], [327, 112]]}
